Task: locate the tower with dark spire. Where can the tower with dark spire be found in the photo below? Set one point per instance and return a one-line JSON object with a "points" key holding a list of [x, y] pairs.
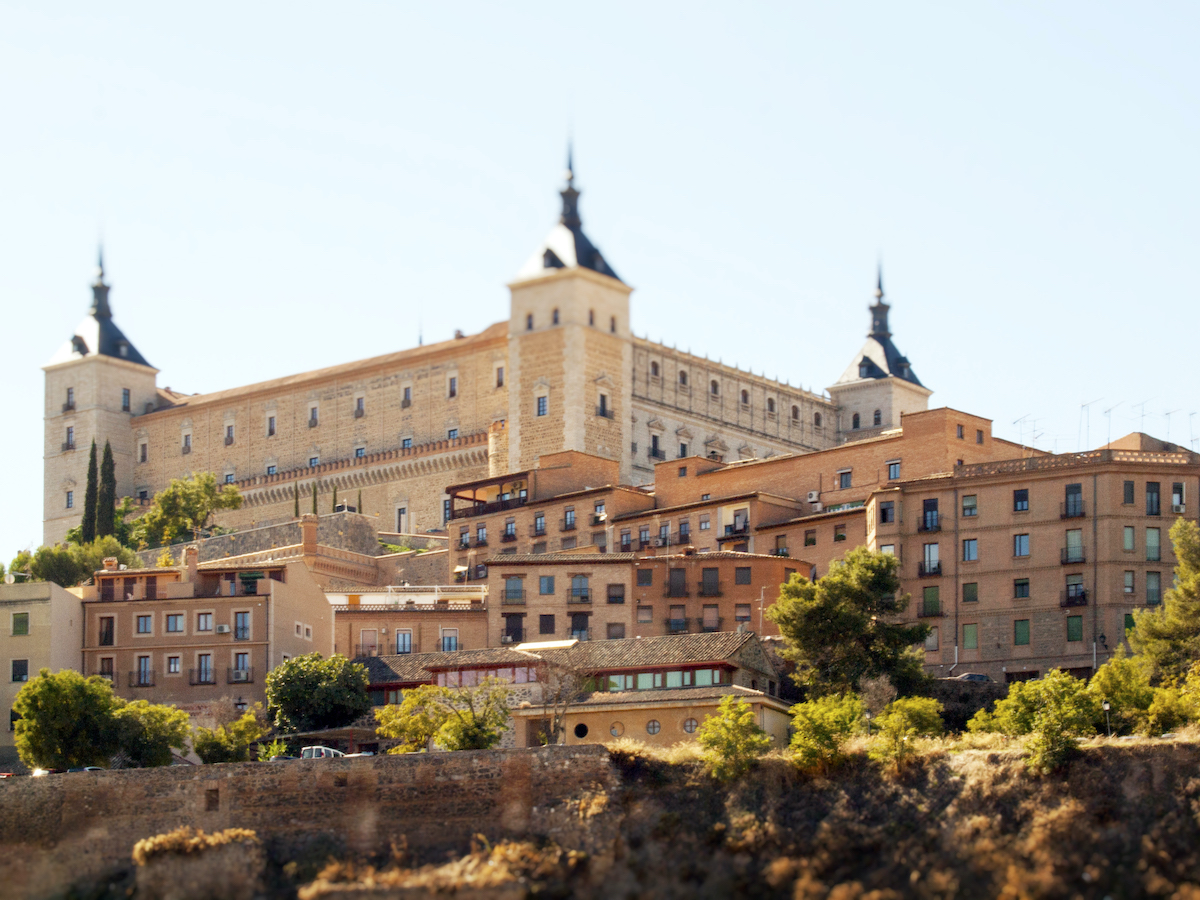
{"points": [[879, 385], [96, 383]]}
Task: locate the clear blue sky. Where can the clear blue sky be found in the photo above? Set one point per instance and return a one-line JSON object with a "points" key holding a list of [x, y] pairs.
{"points": [[282, 187]]}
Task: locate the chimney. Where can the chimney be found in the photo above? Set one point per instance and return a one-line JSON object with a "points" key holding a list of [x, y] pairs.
{"points": [[308, 535], [111, 564], [191, 559]]}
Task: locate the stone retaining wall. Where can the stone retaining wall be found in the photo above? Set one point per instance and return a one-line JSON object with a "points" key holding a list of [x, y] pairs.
{"points": [[79, 828]]}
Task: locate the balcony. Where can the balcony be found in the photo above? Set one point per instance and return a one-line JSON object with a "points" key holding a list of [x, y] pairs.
{"points": [[229, 440], [929, 569], [239, 676], [1073, 597], [406, 403], [663, 540], [626, 547], [482, 509], [580, 595], [359, 412], [710, 589], [479, 542], [1072, 509], [107, 675], [737, 529], [643, 544], [676, 590], [508, 537], [538, 530], [375, 649], [313, 423], [185, 449], [656, 454], [605, 412], [464, 543], [512, 598], [201, 676], [68, 445], [681, 537], [69, 406], [143, 678], [580, 634], [567, 525], [677, 626], [931, 609], [781, 551], [929, 522], [711, 626], [599, 519], [1070, 556]]}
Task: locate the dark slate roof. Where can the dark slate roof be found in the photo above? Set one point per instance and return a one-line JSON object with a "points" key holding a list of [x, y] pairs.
{"points": [[879, 357], [98, 334], [566, 246]]}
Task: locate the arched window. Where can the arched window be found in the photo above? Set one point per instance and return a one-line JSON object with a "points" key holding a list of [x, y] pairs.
{"points": [[745, 398], [591, 317], [529, 322], [714, 388], [771, 405], [796, 413], [683, 378], [554, 317], [816, 420], [854, 422], [612, 324], [878, 418], [654, 369]]}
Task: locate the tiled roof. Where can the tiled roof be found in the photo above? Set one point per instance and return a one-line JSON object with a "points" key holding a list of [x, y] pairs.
{"points": [[674, 695], [560, 558]]}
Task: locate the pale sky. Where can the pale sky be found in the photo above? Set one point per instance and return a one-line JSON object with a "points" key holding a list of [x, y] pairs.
{"points": [[281, 187]]}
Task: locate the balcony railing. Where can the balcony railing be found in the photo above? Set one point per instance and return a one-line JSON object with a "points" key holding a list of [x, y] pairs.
{"points": [[567, 525], [929, 522], [464, 543], [643, 544], [482, 509], [508, 537], [512, 598], [681, 537], [737, 529], [185, 449], [711, 626], [676, 590], [1072, 509], [375, 649], [479, 542], [1070, 556], [313, 423], [677, 626], [663, 540], [240, 676], [406, 403], [929, 569], [580, 595], [68, 406], [605, 412], [581, 634], [141, 678], [710, 589], [537, 530], [359, 412], [1071, 597], [68, 445], [781, 551], [228, 440], [657, 454], [599, 519], [108, 675], [626, 546], [201, 676]]}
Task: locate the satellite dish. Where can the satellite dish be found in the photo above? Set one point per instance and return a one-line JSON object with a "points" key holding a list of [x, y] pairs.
{"points": [[10, 578]]}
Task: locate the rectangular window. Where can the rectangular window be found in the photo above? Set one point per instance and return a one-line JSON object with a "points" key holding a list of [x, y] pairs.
{"points": [[270, 426], [1074, 629], [931, 604], [839, 532], [20, 670], [887, 511], [173, 665], [546, 624], [969, 506], [228, 434], [271, 470], [615, 631], [124, 399], [241, 626], [645, 577], [645, 615], [499, 376], [20, 623], [453, 390], [70, 404], [241, 662], [70, 499], [705, 522], [143, 452], [1177, 505], [106, 631], [1020, 588], [970, 550], [932, 562], [543, 405], [893, 470], [711, 620], [314, 461], [229, 478], [204, 622], [143, 624], [741, 575], [1020, 632], [175, 623], [979, 435], [1129, 582], [889, 549], [70, 438], [314, 416], [970, 592], [970, 637], [1021, 500], [741, 612], [406, 444], [1020, 545], [1128, 621], [616, 593], [204, 668], [1073, 506], [406, 398], [931, 640], [1152, 505], [1128, 545], [451, 434], [1153, 548], [958, 431], [403, 642], [1153, 588], [360, 452], [843, 480], [449, 640], [1129, 491]]}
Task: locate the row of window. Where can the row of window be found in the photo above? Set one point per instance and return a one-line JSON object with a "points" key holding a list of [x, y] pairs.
{"points": [[714, 390], [69, 405], [1073, 552], [176, 623], [1072, 505], [1074, 591], [554, 320], [203, 671]]}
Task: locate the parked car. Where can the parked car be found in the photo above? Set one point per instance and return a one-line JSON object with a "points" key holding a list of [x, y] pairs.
{"points": [[87, 769], [972, 676], [320, 753]]}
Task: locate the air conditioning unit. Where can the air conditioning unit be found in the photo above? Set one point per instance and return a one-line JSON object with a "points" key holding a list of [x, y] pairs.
{"points": [[506, 639], [1178, 508], [383, 631], [240, 675], [814, 496], [817, 506], [222, 629], [661, 542]]}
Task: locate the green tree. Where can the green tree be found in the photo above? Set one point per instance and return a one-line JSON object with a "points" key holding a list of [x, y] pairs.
{"points": [[840, 630], [309, 693], [902, 723], [87, 528], [359, 507], [314, 498], [1168, 636], [147, 732], [183, 509], [22, 562], [122, 529], [106, 494], [469, 718], [295, 501], [1065, 711], [333, 506], [1124, 682], [821, 727], [89, 558], [66, 720], [55, 564], [230, 742], [731, 739]]}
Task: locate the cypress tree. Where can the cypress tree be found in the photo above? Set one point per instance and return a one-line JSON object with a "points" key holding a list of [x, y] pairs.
{"points": [[314, 498], [106, 495], [333, 508], [296, 501], [88, 526], [359, 502]]}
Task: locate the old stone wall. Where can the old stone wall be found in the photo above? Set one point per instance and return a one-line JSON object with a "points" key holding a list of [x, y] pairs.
{"points": [[78, 828]]}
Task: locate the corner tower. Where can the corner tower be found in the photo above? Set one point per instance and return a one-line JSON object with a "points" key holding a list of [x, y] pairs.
{"points": [[570, 348], [95, 384], [879, 386]]}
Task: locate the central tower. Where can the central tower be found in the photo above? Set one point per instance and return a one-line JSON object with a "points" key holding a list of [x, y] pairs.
{"points": [[570, 349]]}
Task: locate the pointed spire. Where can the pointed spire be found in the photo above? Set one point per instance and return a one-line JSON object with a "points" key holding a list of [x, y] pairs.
{"points": [[879, 311], [879, 281], [100, 308], [570, 196]]}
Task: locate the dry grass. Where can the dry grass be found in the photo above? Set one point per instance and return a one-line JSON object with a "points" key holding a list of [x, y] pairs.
{"points": [[188, 840], [681, 754]]}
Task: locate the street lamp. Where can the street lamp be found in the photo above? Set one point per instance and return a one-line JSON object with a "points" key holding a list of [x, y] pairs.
{"points": [[867, 716], [1107, 721]]}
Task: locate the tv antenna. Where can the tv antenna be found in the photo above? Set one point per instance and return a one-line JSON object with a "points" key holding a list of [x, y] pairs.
{"points": [[1108, 414], [1085, 409], [1168, 415]]}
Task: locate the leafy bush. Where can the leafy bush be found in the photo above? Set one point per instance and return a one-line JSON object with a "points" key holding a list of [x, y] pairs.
{"points": [[901, 723], [1065, 711], [147, 732], [472, 718], [731, 739], [273, 749], [821, 727], [309, 693], [230, 742], [1124, 682]]}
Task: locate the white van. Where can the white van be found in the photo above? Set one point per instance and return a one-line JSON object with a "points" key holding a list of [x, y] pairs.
{"points": [[320, 753]]}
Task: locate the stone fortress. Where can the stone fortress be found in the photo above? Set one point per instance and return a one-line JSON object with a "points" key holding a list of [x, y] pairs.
{"points": [[563, 372]]}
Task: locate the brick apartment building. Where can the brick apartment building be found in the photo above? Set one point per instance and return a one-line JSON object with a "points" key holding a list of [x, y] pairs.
{"points": [[410, 619]]}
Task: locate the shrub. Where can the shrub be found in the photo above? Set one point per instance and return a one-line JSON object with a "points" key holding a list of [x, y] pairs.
{"points": [[1125, 683], [901, 723], [273, 749], [731, 739], [230, 743], [1064, 711], [471, 718], [821, 727]]}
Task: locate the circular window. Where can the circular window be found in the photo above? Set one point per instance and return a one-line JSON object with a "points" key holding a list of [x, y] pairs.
{"points": [[689, 725], [581, 730], [653, 727], [617, 729]]}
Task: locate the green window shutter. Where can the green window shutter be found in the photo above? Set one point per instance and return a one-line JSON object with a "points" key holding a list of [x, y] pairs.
{"points": [[970, 637], [1074, 628], [1021, 632]]}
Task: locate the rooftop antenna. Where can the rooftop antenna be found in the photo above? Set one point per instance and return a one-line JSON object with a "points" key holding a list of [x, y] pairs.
{"points": [[1021, 429], [1142, 419], [1085, 409], [420, 332], [1108, 414], [1168, 415], [1191, 440]]}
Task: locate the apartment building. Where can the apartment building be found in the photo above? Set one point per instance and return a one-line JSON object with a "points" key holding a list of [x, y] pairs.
{"points": [[198, 633], [404, 619], [1024, 565]]}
